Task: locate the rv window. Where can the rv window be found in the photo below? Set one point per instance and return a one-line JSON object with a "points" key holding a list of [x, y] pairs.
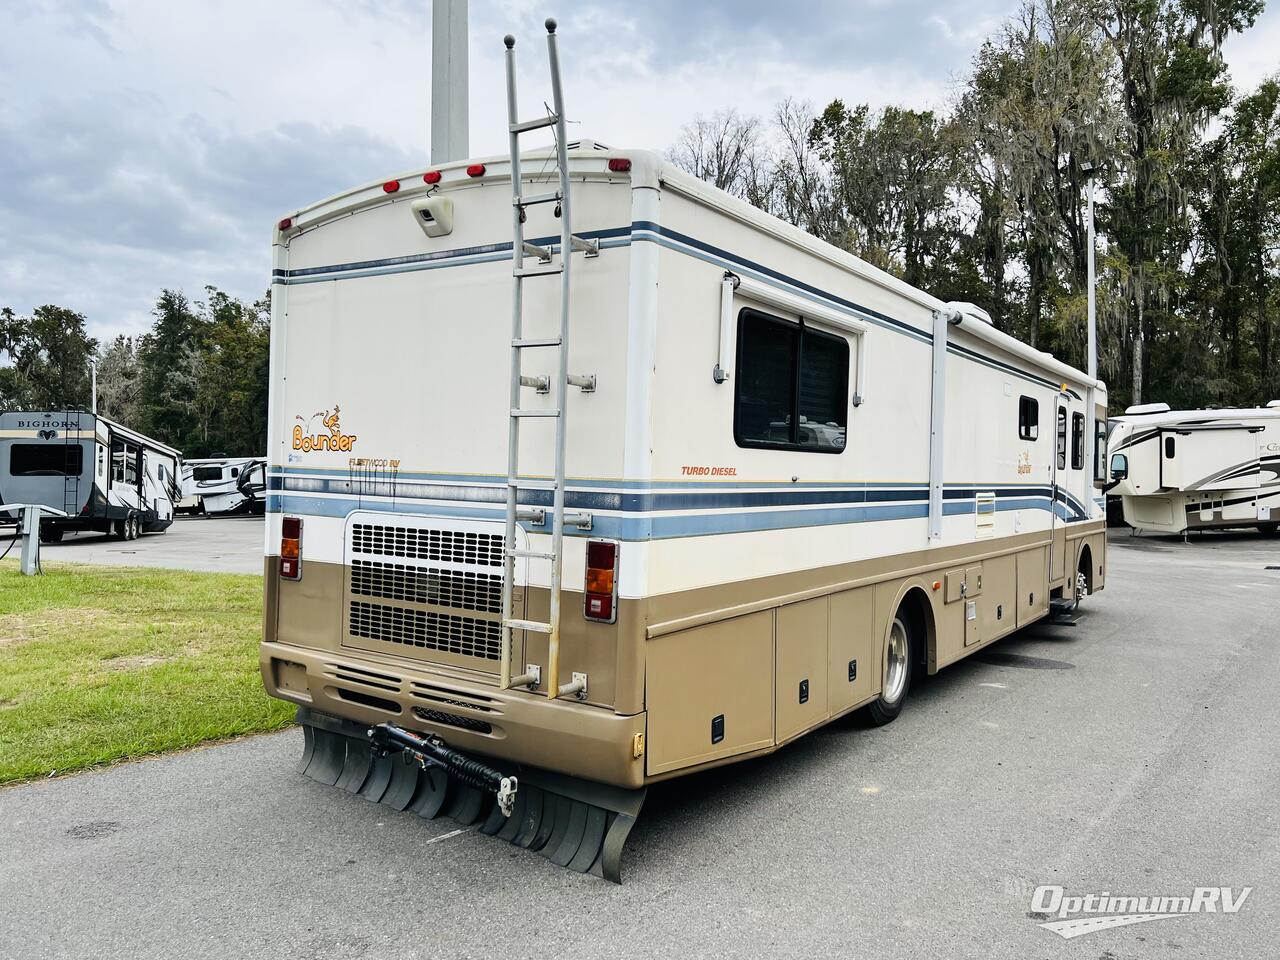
{"points": [[205, 474], [1100, 431], [1077, 441], [117, 461], [130, 464], [1062, 438], [1168, 448], [235, 471], [46, 460], [1028, 418], [792, 388]]}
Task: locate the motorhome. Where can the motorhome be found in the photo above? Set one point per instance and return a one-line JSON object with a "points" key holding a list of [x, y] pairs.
{"points": [[102, 475], [563, 503], [213, 485], [1181, 470]]}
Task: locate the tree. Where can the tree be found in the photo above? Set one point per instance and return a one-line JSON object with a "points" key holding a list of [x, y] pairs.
{"points": [[166, 394], [726, 151], [49, 355], [119, 380]]}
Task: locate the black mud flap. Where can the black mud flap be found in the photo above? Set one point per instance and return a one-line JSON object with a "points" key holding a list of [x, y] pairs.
{"points": [[579, 824]]}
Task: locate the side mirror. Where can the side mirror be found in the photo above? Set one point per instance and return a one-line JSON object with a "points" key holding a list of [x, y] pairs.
{"points": [[1119, 467]]}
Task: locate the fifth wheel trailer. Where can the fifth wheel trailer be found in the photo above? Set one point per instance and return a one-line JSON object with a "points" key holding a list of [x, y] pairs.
{"points": [[103, 475], [214, 485], [788, 481], [1180, 470]]}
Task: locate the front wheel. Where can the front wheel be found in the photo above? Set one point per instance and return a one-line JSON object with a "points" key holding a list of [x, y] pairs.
{"points": [[897, 673], [1268, 529]]}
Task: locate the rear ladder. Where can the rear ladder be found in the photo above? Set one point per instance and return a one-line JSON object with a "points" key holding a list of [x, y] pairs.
{"points": [[557, 386]]}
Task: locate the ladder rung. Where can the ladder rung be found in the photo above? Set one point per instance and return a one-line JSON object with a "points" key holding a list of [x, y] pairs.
{"points": [[537, 124], [533, 625], [536, 272], [532, 484], [533, 250], [529, 201], [535, 413], [531, 555], [536, 342]]}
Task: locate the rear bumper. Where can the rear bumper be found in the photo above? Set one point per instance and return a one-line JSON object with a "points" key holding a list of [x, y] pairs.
{"points": [[559, 735]]}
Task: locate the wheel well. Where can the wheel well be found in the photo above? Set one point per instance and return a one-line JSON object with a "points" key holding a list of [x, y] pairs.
{"points": [[1086, 566], [919, 613]]}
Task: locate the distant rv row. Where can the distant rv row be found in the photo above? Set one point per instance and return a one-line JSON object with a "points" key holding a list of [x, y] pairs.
{"points": [[1180, 470], [98, 475]]}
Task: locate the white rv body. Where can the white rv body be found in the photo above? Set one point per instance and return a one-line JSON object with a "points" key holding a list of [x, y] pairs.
{"points": [[1179, 470], [388, 426], [213, 485], [103, 475]]}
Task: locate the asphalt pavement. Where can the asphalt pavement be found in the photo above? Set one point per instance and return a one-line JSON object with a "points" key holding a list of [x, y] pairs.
{"points": [[1133, 754], [212, 544]]}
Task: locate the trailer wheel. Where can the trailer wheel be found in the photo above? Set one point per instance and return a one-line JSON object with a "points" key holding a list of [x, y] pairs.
{"points": [[131, 525], [118, 530], [50, 534], [899, 653], [1268, 529]]}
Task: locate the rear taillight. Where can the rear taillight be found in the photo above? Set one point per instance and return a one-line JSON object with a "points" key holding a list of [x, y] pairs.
{"points": [[619, 165], [601, 599], [431, 176], [291, 548], [475, 170], [391, 186]]}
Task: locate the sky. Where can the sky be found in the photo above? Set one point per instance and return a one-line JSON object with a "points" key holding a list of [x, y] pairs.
{"points": [[147, 144]]}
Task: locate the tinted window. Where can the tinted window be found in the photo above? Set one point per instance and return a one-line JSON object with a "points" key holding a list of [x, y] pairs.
{"points": [[1028, 418], [1077, 441], [46, 460], [1100, 431], [205, 474], [792, 385], [1062, 438]]}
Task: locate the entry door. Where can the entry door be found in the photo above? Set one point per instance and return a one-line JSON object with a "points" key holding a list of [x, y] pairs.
{"points": [[1059, 471]]}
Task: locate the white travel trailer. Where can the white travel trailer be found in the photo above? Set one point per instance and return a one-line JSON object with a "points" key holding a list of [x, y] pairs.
{"points": [[600, 499], [1180, 470], [214, 485], [103, 475]]}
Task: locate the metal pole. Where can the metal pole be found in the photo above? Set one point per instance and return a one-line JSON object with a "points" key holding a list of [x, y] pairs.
{"points": [[449, 81], [1090, 421], [93, 387], [513, 427]]}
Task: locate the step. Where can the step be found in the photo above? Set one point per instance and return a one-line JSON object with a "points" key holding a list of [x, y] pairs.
{"points": [[535, 198], [538, 271], [536, 342], [534, 625], [520, 484], [526, 125], [531, 554], [535, 413]]}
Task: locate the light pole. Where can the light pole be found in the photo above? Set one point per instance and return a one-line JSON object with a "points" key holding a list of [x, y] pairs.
{"points": [[93, 387], [1088, 169], [449, 81]]}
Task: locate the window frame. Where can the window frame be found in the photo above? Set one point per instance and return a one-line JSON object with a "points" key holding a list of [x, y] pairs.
{"points": [[1028, 427], [1077, 440], [801, 328], [1101, 433]]}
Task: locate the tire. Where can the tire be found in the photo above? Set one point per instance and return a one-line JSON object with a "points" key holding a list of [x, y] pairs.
{"points": [[1268, 529], [135, 528], [51, 534], [120, 530], [899, 656]]}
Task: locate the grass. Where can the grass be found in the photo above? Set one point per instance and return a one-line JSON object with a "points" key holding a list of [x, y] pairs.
{"points": [[106, 663]]}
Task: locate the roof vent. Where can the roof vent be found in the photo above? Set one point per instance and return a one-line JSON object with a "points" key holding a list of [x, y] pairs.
{"points": [[971, 310], [1148, 408]]}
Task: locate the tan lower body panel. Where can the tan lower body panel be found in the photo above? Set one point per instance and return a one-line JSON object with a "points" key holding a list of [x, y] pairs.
{"points": [[685, 681]]}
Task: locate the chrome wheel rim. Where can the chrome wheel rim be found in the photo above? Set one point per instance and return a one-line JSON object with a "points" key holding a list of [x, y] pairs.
{"points": [[895, 663]]}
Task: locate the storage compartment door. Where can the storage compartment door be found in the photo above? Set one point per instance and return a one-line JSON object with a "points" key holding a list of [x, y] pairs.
{"points": [[709, 692], [801, 697], [850, 648], [1033, 584]]}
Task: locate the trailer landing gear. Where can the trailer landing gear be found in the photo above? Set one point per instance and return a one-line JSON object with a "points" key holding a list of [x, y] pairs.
{"points": [[575, 823]]}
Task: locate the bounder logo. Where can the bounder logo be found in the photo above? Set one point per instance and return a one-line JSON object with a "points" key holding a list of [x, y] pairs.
{"points": [[306, 440], [1078, 915]]}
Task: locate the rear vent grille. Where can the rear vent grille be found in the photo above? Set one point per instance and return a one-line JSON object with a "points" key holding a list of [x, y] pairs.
{"points": [[452, 546], [452, 720], [461, 589], [464, 636]]}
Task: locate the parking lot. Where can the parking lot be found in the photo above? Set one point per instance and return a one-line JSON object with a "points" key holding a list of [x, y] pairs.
{"points": [[213, 544], [1133, 753]]}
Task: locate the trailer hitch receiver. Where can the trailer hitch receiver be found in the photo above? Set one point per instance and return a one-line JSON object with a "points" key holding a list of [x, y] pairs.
{"points": [[432, 751]]}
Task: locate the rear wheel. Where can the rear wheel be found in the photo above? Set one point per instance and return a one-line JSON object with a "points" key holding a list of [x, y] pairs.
{"points": [[50, 534], [898, 657], [134, 530], [1268, 529], [120, 529]]}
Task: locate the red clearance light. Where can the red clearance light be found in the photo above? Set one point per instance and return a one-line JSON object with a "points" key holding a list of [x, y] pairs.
{"points": [[431, 176], [285, 224], [391, 186], [475, 170], [291, 548], [619, 165], [601, 588]]}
